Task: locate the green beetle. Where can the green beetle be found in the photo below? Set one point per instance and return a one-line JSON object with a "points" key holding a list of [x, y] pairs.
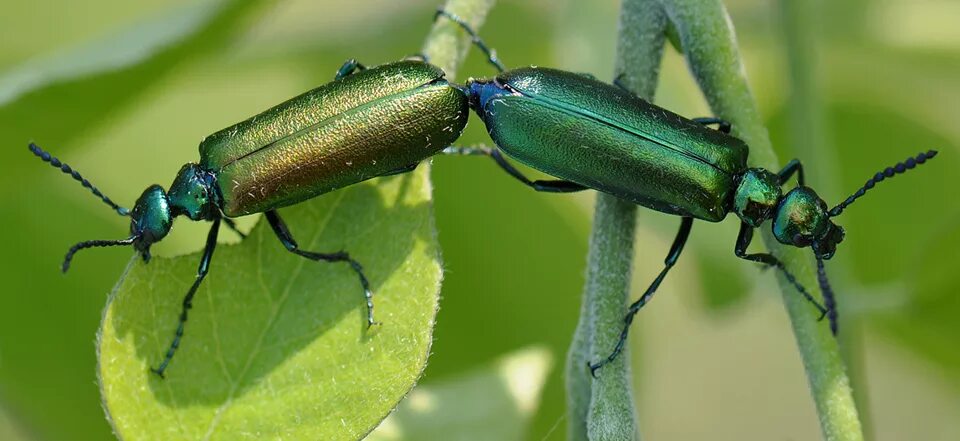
{"points": [[367, 123], [594, 135]]}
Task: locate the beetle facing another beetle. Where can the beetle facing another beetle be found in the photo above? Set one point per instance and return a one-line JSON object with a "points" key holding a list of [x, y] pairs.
{"points": [[386, 119]]}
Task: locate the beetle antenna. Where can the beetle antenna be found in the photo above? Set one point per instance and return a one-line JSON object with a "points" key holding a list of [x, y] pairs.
{"points": [[46, 157], [889, 172], [829, 301], [93, 244]]}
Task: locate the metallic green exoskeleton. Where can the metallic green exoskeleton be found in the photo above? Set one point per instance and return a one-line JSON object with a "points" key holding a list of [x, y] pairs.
{"points": [[375, 122], [599, 136], [364, 125], [605, 138]]}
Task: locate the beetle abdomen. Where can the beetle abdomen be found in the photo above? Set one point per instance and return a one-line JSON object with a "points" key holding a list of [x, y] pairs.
{"points": [[594, 134], [362, 126]]}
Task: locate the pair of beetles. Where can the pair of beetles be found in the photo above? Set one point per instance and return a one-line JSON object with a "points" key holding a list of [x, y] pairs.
{"points": [[387, 119]]}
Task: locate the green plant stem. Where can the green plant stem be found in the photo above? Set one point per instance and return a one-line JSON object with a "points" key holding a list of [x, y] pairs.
{"points": [[603, 408], [709, 44], [447, 44], [806, 125], [809, 139]]}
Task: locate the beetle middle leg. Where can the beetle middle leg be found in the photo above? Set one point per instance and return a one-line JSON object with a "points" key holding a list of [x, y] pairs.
{"points": [[547, 186], [283, 233], [743, 242], [233, 226], [722, 125], [188, 299], [671, 259]]}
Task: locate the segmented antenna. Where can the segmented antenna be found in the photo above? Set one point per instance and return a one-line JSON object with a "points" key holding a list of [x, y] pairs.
{"points": [[829, 301], [888, 172], [46, 157], [490, 53], [93, 244]]}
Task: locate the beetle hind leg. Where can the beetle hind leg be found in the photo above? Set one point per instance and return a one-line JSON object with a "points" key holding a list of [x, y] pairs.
{"points": [[546, 186], [283, 233], [671, 259]]}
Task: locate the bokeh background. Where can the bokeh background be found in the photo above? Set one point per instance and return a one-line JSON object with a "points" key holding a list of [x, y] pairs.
{"points": [[877, 81]]}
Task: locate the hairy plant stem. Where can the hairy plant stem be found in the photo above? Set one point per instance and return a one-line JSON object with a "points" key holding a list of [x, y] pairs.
{"points": [[708, 41], [809, 139], [603, 408]]}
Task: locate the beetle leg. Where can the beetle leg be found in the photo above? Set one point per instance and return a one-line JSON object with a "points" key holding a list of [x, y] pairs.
{"points": [[792, 167], [743, 241], [419, 56], [671, 259], [724, 126], [477, 41], [349, 67], [233, 226], [402, 170], [188, 299], [280, 229], [618, 81], [546, 186]]}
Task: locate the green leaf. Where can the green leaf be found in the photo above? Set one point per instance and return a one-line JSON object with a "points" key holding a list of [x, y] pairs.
{"points": [[927, 324], [39, 100], [276, 345], [46, 375], [121, 49], [494, 403]]}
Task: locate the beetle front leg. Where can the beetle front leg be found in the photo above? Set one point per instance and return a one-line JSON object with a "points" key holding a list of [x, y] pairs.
{"points": [[788, 170], [280, 229], [743, 242], [671, 259], [349, 67], [547, 186], [188, 299]]}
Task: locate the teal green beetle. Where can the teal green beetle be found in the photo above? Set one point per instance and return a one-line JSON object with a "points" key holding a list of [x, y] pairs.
{"points": [[375, 122], [594, 135]]}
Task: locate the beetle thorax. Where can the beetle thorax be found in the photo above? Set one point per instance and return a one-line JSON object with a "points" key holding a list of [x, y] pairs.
{"points": [[757, 196], [192, 194]]}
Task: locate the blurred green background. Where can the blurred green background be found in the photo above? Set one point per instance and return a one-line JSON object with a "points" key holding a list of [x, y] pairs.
{"points": [[95, 83]]}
